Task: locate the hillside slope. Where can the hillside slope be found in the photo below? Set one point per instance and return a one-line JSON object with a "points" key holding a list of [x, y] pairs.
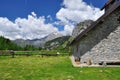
{"points": [[6, 44], [57, 43]]}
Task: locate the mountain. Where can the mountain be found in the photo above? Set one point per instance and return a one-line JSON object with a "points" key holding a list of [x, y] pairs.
{"points": [[62, 43], [53, 36], [58, 42], [81, 27], [38, 42], [23, 43]]}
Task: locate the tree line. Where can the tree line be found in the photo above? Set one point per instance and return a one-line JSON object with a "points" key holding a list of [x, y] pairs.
{"points": [[6, 44]]}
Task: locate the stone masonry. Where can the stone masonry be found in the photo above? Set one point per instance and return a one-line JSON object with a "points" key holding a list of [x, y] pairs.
{"points": [[102, 43]]}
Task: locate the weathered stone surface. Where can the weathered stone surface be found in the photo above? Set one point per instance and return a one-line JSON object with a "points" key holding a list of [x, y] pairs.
{"points": [[102, 43], [81, 27]]}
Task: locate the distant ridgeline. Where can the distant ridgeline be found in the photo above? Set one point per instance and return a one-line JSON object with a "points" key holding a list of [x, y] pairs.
{"points": [[55, 44]]}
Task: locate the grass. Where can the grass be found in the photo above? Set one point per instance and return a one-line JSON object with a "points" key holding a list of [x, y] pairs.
{"points": [[51, 68], [52, 52]]}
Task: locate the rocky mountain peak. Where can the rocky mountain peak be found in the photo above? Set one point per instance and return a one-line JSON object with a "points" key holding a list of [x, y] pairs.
{"points": [[81, 27], [53, 36]]}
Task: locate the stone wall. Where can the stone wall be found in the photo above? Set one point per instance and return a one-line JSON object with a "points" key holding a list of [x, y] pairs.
{"points": [[102, 43]]}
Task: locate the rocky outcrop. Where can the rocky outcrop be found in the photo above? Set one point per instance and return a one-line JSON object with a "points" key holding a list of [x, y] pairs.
{"points": [[81, 27], [53, 35]]}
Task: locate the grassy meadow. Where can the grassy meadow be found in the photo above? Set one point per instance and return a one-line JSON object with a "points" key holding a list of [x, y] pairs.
{"points": [[51, 68]]}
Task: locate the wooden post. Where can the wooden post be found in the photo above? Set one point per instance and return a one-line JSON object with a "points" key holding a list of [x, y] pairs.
{"points": [[12, 53]]}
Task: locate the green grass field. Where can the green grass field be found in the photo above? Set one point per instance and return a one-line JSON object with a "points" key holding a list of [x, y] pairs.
{"points": [[51, 68]]}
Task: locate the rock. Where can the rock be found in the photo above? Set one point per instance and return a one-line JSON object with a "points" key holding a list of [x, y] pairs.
{"points": [[81, 27]]}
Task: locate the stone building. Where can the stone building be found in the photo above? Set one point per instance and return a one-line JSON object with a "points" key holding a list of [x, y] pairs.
{"points": [[100, 42]]}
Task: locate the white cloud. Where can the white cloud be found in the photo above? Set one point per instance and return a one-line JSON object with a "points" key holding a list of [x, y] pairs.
{"points": [[67, 29], [75, 11], [49, 17], [30, 28], [8, 28], [33, 14]]}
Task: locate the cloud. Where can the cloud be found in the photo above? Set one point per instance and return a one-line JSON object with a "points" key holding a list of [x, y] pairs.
{"points": [[75, 11], [30, 28], [71, 12], [49, 17], [7, 28], [67, 29], [33, 14]]}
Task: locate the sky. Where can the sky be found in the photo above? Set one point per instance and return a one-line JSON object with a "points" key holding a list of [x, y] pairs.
{"points": [[31, 19]]}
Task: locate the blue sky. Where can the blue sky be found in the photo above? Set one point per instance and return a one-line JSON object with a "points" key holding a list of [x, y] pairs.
{"points": [[21, 8], [58, 15]]}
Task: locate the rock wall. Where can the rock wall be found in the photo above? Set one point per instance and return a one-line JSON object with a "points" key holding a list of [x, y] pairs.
{"points": [[102, 43]]}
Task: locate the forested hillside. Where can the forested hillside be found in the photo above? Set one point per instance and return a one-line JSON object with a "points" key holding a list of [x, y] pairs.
{"points": [[6, 44]]}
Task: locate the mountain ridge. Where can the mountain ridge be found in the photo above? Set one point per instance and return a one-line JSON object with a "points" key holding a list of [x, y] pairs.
{"points": [[38, 42]]}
